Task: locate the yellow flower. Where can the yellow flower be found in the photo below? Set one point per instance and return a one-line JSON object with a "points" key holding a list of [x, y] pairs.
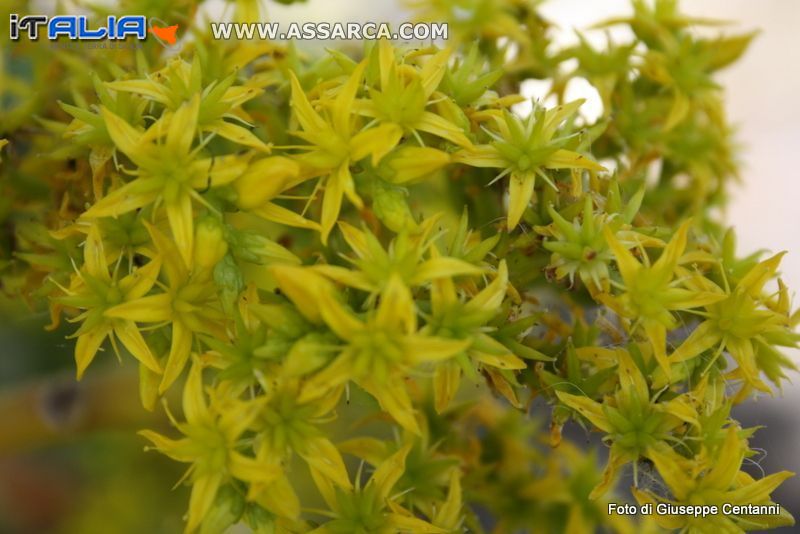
{"points": [[189, 303], [717, 483], [168, 171], [370, 507], [524, 148], [452, 318], [634, 422], [405, 92], [211, 445], [96, 291], [180, 82], [377, 353], [404, 258], [651, 293], [743, 323], [335, 143]]}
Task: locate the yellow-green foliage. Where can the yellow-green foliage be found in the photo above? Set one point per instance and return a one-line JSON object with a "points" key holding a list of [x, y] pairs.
{"points": [[289, 241]]}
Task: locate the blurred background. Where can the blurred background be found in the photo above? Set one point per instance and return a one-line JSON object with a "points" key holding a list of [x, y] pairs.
{"points": [[79, 473]]}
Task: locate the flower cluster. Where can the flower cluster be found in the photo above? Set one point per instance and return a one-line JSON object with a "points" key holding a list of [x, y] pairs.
{"points": [[362, 272]]}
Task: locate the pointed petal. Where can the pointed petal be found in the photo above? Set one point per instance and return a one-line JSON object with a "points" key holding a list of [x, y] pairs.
{"points": [[394, 400], [664, 267], [520, 192], [179, 352], [567, 159], [141, 280], [491, 297], [128, 333], [150, 309], [275, 213], [626, 263], [332, 201], [87, 346], [375, 142], [389, 472], [182, 126], [131, 196], [441, 127], [94, 255], [443, 267], [181, 223], [421, 349], [204, 491], [396, 307], [306, 116], [237, 134], [342, 113], [323, 456], [591, 410]]}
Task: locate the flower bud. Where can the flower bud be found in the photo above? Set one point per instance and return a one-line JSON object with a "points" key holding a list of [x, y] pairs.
{"points": [[411, 163], [264, 180], [210, 241]]}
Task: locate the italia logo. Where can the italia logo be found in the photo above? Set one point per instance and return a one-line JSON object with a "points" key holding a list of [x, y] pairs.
{"points": [[77, 27]]}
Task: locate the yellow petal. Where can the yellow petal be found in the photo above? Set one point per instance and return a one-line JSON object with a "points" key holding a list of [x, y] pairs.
{"points": [[195, 409], [567, 159], [657, 334], [279, 498], [128, 333], [674, 474], [591, 410], [446, 381], [275, 213], [126, 138], [301, 286], [396, 307], [94, 255], [753, 282], [520, 192], [481, 156], [664, 267], [150, 309], [141, 280], [701, 339], [616, 459], [443, 267], [178, 450], [626, 263], [491, 297], [323, 456], [631, 379], [394, 400], [204, 491], [433, 71], [179, 352], [375, 142], [342, 113], [449, 515], [389, 472], [356, 239], [345, 276], [264, 180], [306, 116], [332, 200], [182, 126], [87, 346], [441, 127], [131, 196], [237, 134], [421, 349], [181, 222], [251, 470]]}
